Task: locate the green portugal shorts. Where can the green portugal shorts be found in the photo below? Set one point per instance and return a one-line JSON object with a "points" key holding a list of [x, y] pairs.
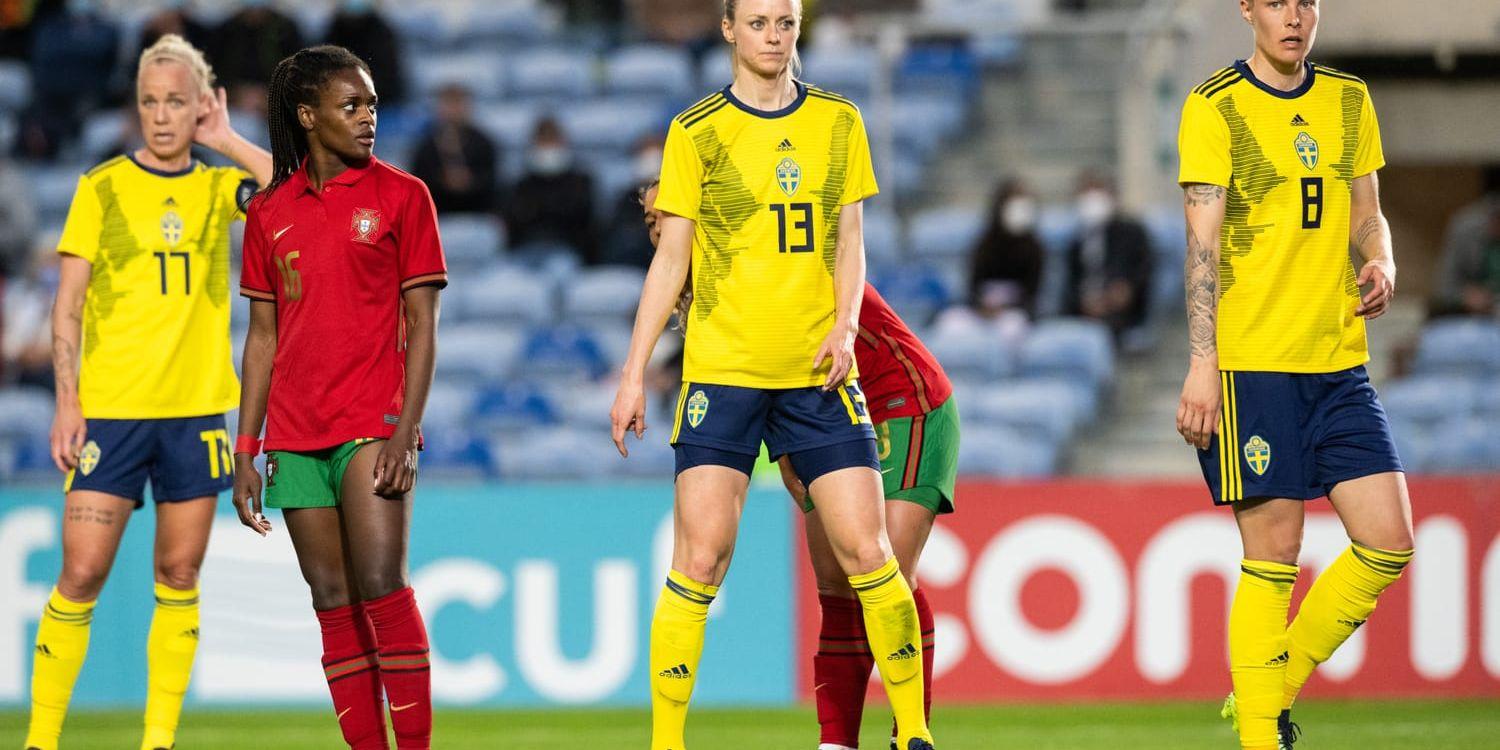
{"points": [[918, 458], [309, 479]]}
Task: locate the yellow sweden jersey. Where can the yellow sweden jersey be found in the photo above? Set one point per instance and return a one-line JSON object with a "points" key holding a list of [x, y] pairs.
{"points": [[156, 320], [765, 190], [1287, 284]]}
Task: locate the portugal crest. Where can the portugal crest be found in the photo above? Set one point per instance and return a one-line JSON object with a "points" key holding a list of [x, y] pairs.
{"points": [[365, 224], [1307, 149], [88, 458], [788, 176], [697, 409], [1258, 454]]}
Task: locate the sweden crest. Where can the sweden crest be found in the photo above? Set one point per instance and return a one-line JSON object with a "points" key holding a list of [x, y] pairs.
{"points": [[1258, 454], [88, 458], [697, 409], [1307, 149], [788, 176], [171, 228]]}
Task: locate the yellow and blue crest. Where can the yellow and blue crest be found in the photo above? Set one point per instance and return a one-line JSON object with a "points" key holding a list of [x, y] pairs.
{"points": [[697, 409], [788, 176], [88, 458], [1258, 454], [171, 227], [1307, 149]]}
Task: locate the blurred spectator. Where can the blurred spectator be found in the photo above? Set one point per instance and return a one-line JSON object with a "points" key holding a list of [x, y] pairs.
{"points": [[692, 24], [455, 158], [359, 27], [17, 221], [72, 63], [554, 201], [175, 17], [1469, 279], [26, 339], [1109, 263], [604, 14], [624, 243], [247, 47], [1006, 263], [16, 21]]}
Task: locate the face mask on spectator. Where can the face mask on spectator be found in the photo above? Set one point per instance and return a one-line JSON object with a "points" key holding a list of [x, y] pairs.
{"points": [[550, 160], [1095, 207], [1019, 215], [647, 165]]}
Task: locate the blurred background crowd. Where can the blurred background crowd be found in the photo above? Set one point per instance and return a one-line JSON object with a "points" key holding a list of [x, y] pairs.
{"points": [[1029, 227]]}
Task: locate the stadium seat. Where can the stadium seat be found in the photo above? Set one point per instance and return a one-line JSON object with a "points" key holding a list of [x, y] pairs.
{"points": [[651, 457], [943, 70], [924, 121], [15, 85], [586, 406], [916, 292], [1459, 347], [606, 294], [1073, 348], [477, 353], [554, 75], [555, 453], [971, 352], [945, 232], [504, 24], [995, 451], [506, 295], [885, 242], [650, 69], [561, 354], [25, 412], [450, 404], [52, 189], [1414, 444], [471, 241], [1465, 445], [456, 454], [1052, 409], [1429, 399], [513, 405], [481, 72], [614, 123], [846, 71], [510, 124], [102, 130]]}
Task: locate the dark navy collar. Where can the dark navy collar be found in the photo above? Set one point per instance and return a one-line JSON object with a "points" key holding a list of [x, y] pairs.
{"points": [[192, 165], [783, 112], [1303, 88]]}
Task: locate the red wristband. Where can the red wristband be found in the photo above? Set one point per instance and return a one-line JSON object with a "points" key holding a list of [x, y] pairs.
{"points": [[247, 444]]}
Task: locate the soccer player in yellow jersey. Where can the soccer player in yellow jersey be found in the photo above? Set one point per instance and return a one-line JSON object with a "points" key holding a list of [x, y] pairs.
{"points": [[761, 196], [1279, 160], [140, 341]]}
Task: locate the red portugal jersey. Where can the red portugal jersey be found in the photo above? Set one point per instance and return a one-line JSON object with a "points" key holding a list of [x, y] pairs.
{"points": [[336, 263], [899, 376]]}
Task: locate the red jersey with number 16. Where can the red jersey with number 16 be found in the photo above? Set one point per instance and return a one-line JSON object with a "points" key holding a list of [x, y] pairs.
{"points": [[899, 377], [336, 263]]}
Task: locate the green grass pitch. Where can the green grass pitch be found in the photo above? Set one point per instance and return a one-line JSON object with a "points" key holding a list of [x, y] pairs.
{"points": [[1362, 725]]}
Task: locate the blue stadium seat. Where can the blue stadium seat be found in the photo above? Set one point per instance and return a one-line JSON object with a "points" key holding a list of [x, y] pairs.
{"points": [[555, 75], [456, 454], [946, 70], [1414, 444], [450, 404], [885, 242], [971, 352], [471, 241], [561, 354], [477, 353], [488, 23], [25, 412], [924, 121], [651, 69], [651, 457], [614, 123], [917, 292], [1468, 346], [715, 71], [846, 71], [1428, 399], [1052, 409], [513, 405], [945, 232], [1073, 348], [481, 72], [995, 451], [507, 294], [15, 85], [606, 294], [555, 453], [1466, 445], [1488, 405], [52, 188], [510, 124], [102, 130], [586, 406]]}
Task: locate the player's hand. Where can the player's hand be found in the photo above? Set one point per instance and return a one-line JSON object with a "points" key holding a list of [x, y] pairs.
{"points": [[69, 432], [838, 347], [1198, 410], [628, 414], [246, 496], [1380, 276], [213, 129], [396, 466]]}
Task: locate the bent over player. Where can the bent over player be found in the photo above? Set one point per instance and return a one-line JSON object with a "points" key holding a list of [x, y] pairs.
{"points": [[1279, 160]]}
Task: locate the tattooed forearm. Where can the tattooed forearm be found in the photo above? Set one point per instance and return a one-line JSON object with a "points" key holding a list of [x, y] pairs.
{"points": [[1202, 195], [1371, 227], [66, 330], [1201, 281]]}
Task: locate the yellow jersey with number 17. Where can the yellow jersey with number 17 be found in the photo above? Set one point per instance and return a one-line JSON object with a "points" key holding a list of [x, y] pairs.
{"points": [[156, 318], [1287, 158], [766, 190]]}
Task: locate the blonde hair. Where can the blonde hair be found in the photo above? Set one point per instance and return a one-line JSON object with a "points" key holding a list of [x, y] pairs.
{"points": [[173, 48], [731, 7]]}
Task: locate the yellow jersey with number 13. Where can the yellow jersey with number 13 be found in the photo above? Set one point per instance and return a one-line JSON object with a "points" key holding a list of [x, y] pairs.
{"points": [[156, 319], [1287, 158], [766, 190]]}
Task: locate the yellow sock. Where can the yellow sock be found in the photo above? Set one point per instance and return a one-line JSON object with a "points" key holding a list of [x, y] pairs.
{"points": [[62, 642], [676, 643], [896, 641], [1258, 647], [1337, 604], [170, 649]]}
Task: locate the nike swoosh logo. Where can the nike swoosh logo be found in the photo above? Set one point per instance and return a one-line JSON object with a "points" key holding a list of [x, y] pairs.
{"points": [[394, 709], [345, 711], [283, 230]]}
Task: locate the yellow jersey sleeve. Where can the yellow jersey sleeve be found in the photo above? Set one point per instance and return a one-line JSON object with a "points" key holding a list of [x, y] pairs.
{"points": [[236, 188], [81, 232], [1370, 156], [861, 183], [681, 189], [1203, 144]]}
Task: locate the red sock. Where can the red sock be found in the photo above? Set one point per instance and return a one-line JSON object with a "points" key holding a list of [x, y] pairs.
{"points": [[929, 632], [403, 667], [353, 679], [841, 670]]}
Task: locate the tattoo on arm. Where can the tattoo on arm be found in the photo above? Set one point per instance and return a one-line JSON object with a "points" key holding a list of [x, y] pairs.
{"points": [[1371, 227], [1203, 195], [65, 353], [1202, 287]]}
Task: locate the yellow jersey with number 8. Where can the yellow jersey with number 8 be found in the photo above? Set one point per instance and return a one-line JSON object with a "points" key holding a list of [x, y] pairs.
{"points": [[156, 318], [766, 190], [1287, 159]]}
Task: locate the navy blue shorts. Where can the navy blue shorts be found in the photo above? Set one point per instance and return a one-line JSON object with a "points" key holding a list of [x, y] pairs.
{"points": [[1286, 435], [724, 425], [184, 458]]}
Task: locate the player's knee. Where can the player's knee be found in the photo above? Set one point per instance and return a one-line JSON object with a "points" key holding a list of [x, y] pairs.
{"points": [[704, 565], [865, 557], [178, 575], [375, 584], [82, 581]]}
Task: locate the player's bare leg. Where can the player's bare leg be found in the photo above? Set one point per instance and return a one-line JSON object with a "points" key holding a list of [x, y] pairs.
{"points": [[1271, 534], [93, 523], [706, 521], [376, 528], [182, 531]]}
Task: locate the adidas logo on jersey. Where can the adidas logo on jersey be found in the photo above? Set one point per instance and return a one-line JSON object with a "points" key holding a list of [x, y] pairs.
{"points": [[1279, 661], [679, 672], [786, 145], [902, 654], [1298, 122]]}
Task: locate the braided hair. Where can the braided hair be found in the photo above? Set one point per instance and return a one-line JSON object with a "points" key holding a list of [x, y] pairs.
{"points": [[297, 81]]}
